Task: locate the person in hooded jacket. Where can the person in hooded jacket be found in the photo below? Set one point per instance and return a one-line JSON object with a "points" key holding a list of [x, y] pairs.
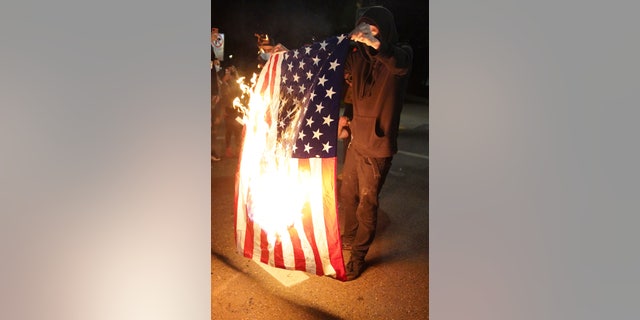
{"points": [[378, 69], [215, 110]]}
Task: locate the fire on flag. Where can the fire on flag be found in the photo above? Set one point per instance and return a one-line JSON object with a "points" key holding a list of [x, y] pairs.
{"points": [[286, 211]]}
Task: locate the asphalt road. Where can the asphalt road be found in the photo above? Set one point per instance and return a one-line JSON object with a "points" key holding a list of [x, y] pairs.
{"points": [[394, 286]]}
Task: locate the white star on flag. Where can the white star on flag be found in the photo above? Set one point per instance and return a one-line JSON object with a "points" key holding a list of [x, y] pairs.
{"points": [[330, 93], [322, 80], [317, 134], [334, 65], [327, 120], [307, 148], [326, 146]]}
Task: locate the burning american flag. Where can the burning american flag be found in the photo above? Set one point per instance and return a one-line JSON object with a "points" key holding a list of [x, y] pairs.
{"points": [[286, 212]]}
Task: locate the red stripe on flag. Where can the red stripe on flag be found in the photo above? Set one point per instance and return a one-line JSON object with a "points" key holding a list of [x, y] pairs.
{"points": [[298, 254], [267, 117], [265, 82], [269, 82], [274, 74], [278, 255], [269, 78], [248, 237], [331, 217], [264, 247], [307, 222]]}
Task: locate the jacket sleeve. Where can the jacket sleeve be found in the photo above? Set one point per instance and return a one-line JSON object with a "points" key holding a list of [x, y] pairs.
{"points": [[347, 67], [396, 58]]}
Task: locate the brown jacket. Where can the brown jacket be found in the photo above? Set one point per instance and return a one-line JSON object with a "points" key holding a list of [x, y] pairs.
{"points": [[379, 80]]}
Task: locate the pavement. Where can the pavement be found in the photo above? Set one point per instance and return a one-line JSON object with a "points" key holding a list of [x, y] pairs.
{"points": [[394, 286]]}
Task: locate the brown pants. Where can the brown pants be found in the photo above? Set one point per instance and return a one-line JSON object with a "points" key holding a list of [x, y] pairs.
{"points": [[362, 180]]}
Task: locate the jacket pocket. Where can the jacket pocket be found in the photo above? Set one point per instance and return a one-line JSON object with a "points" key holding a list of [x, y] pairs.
{"points": [[367, 131]]}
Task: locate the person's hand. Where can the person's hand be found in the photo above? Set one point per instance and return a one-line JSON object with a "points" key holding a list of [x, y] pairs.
{"points": [[278, 48], [347, 78], [365, 33], [343, 124]]}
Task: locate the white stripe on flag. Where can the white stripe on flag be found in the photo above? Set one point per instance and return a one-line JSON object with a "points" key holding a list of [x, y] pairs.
{"points": [[257, 242], [309, 257], [306, 247], [287, 252], [262, 77], [241, 215]]}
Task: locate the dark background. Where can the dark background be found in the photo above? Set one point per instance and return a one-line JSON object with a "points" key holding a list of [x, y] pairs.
{"points": [[294, 23]]}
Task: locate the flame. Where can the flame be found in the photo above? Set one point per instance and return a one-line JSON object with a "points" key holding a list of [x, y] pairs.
{"points": [[277, 189], [241, 103]]}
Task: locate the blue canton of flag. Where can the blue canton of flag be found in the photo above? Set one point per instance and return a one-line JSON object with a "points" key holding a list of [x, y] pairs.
{"points": [[311, 82]]}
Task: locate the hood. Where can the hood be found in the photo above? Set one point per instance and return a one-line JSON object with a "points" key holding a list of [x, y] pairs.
{"points": [[383, 19], [387, 34]]}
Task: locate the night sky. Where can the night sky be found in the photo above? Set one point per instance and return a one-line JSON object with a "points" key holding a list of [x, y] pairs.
{"points": [[295, 23]]}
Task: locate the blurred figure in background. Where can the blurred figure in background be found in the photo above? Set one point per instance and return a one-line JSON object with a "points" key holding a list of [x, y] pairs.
{"points": [[229, 90], [215, 111]]}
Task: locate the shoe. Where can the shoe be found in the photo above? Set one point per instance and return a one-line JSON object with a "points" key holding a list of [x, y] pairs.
{"points": [[354, 269], [215, 158]]}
